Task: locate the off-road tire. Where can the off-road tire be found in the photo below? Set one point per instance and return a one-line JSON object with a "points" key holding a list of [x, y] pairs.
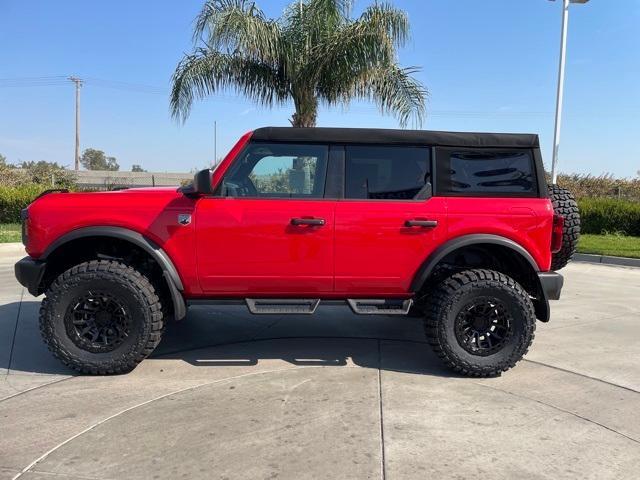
{"points": [[452, 295], [439, 273], [131, 287], [565, 204]]}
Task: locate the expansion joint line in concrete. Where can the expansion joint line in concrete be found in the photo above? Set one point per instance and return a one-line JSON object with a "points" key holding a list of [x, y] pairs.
{"points": [[15, 332], [568, 412], [147, 402], [383, 465]]}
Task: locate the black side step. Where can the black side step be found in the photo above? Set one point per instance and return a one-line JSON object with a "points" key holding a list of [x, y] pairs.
{"points": [[377, 306], [271, 306]]}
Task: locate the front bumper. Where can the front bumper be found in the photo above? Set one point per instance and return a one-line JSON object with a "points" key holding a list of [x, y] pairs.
{"points": [[29, 273], [551, 283]]}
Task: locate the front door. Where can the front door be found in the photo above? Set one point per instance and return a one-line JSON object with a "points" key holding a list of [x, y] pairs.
{"points": [[388, 223], [270, 230]]}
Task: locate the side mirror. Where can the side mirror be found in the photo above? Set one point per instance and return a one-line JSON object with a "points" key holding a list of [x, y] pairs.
{"points": [[202, 182]]}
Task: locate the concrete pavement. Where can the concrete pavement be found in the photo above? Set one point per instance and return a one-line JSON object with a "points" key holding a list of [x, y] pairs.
{"points": [[334, 395]]}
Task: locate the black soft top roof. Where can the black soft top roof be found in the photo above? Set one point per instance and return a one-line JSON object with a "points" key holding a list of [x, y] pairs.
{"points": [[396, 137]]}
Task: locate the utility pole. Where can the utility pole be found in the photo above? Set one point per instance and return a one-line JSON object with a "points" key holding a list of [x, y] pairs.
{"points": [[78, 83]]}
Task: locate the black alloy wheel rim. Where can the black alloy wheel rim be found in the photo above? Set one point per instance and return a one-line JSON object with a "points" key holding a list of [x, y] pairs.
{"points": [[98, 322], [484, 326]]}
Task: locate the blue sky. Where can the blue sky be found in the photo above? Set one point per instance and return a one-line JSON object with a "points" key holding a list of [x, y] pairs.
{"points": [[489, 65]]}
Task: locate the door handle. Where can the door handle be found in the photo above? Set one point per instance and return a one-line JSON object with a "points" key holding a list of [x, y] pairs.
{"points": [[421, 223], [318, 222]]}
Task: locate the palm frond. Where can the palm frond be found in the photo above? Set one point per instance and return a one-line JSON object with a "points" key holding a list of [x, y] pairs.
{"points": [[351, 50], [332, 11], [393, 21], [238, 26], [356, 48], [395, 91], [308, 23], [205, 72]]}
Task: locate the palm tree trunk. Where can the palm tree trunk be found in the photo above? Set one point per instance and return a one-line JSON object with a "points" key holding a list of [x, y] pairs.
{"points": [[306, 111]]}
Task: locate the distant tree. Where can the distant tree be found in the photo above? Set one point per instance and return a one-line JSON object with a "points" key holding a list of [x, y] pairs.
{"points": [[41, 173], [137, 168], [49, 173], [3, 160], [41, 164], [97, 160]]}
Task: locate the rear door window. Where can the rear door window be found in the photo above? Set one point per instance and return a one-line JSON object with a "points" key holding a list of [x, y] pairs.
{"points": [[486, 172], [387, 172]]}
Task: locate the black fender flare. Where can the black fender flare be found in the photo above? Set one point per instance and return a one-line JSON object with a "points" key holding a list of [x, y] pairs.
{"points": [[169, 271], [425, 270]]}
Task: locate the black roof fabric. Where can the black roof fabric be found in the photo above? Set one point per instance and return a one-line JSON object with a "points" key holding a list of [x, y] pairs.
{"points": [[396, 137]]}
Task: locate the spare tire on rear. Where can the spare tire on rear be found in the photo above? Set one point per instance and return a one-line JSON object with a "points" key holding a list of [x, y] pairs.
{"points": [[565, 204]]}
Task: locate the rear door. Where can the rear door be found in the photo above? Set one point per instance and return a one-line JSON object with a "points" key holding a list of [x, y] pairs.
{"points": [[270, 230], [388, 222]]}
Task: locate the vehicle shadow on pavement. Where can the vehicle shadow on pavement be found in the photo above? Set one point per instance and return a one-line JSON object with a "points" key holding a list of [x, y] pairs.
{"points": [[333, 337], [25, 352], [225, 337], [389, 355]]}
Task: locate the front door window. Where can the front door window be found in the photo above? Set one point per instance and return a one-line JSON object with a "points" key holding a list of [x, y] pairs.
{"points": [[278, 171]]}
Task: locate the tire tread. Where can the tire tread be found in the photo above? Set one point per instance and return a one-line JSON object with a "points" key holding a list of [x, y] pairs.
{"points": [[119, 273], [565, 204], [442, 295]]}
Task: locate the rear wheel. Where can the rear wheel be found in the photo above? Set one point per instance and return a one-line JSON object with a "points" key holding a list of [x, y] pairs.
{"points": [[480, 322], [101, 317], [565, 204]]}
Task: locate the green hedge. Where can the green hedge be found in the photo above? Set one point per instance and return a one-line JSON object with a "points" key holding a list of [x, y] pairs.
{"points": [[14, 199], [605, 215]]}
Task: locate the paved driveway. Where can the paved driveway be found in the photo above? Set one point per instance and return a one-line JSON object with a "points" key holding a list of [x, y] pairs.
{"points": [[230, 395]]}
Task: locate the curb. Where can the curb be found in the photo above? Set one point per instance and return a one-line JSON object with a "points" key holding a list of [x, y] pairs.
{"points": [[607, 260], [10, 246]]}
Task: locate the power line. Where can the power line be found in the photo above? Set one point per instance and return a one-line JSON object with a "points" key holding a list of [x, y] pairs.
{"points": [[25, 79], [61, 80], [33, 81], [125, 86], [130, 87]]}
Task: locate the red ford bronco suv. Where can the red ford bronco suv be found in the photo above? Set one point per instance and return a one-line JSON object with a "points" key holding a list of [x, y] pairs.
{"points": [[459, 228]]}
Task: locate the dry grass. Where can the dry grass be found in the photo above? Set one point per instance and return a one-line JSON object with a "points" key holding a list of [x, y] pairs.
{"points": [[603, 186]]}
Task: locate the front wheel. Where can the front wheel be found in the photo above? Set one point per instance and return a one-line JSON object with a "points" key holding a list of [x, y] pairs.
{"points": [[101, 317], [480, 322]]}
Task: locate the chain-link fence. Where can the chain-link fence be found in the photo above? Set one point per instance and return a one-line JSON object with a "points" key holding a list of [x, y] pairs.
{"points": [[107, 180], [91, 179]]}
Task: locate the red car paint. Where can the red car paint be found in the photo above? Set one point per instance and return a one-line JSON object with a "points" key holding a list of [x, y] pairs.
{"points": [[244, 247]]}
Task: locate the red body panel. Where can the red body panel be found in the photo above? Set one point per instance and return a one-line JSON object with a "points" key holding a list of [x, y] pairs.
{"points": [[376, 254], [152, 212], [526, 221], [237, 247], [249, 247]]}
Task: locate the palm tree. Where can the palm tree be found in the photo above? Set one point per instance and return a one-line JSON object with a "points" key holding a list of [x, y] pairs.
{"points": [[315, 53]]}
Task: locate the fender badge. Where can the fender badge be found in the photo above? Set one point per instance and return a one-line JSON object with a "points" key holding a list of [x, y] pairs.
{"points": [[184, 219]]}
